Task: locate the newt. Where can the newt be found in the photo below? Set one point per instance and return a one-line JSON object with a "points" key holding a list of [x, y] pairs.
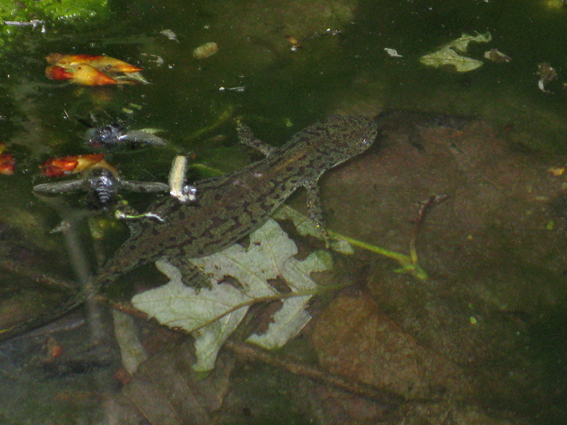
{"points": [[232, 206]]}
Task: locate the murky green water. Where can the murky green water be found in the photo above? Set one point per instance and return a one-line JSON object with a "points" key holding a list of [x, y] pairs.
{"points": [[342, 66]]}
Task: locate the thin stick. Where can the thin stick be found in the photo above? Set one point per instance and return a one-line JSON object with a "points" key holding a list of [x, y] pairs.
{"points": [[36, 276], [419, 221], [251, 353]]}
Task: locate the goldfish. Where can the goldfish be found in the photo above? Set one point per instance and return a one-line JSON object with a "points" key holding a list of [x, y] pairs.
{"points": [[82, 74], [55, 167], [88, 70], [102, 63], [7, 161]]}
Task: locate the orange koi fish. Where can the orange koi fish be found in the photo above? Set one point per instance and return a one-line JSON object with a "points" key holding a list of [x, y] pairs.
{"points": [[102, 63], [82, 74], [55, 167]]}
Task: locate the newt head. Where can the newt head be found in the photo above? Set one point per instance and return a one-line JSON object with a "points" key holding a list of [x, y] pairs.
{"points": [[347, 137]]}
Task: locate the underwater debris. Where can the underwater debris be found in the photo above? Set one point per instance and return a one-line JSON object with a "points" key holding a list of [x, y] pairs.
{"points": [[294, 43], [547, 74], [447, 55], [497, 56], [169, 34], [392, 53], [205, 50]]}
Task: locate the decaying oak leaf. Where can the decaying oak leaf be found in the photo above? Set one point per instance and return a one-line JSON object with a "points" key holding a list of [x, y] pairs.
{"points": [[213, 314]]}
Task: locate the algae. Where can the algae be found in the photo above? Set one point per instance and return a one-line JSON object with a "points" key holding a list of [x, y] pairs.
{"points": [[19, 16]]}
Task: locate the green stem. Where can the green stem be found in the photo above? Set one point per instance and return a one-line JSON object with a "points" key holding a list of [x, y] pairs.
{"points": [[225, 116], [408, 262]]}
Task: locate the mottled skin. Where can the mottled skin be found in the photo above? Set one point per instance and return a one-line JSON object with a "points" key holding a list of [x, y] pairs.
{"points": [[234, 205], [231, 206]]}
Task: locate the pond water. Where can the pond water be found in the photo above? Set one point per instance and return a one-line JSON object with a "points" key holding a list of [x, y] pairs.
{"points": [[495, 299]]}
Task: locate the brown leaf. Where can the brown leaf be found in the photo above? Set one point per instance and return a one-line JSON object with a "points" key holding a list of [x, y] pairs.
{"points": [[167, 390], [353, 338]]}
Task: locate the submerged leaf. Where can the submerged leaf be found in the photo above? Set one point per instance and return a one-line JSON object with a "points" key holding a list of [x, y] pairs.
{"points": [[292, 317], [213, 314], [462, 44], [447, 54]]}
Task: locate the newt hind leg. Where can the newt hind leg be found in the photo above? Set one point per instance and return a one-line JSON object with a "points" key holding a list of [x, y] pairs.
{"points": [[315, 209]]}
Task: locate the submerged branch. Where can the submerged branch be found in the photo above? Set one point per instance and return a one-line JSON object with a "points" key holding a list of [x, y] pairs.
{"points": [[252, 353], [35, 275]]}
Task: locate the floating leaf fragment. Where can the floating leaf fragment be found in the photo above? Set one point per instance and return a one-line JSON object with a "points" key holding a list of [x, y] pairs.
{"points": [[213, 314], [462, 44], [547, 74], [447, 55], [392, 52], [205, 50], [169, 34], [497, 56], [158, 60], [294, 43]]}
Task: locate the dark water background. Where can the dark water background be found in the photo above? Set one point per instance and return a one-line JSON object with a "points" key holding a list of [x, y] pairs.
{"points": [[283, 90]]}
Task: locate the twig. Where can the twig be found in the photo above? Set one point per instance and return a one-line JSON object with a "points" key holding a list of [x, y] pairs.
{"points": [[33, 23], [38, 277], [251, 353], [421, 214]]}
